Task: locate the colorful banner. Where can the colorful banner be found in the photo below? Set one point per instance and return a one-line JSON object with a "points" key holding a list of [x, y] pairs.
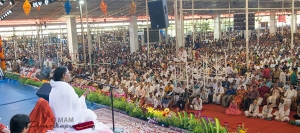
{"points": [[281, 18]]}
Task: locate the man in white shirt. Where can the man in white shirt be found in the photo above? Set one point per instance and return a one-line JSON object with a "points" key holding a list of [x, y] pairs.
{"points": [[196, 103], [150, 99], [283, 113], [253, 109], [266, 112], [218, 91], [289, 95], [177, 91], [229, 70], [182, 55]]}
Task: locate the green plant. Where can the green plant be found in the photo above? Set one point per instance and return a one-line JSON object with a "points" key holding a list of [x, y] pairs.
{"points": [[11, 76], [120, 104], [78, 91], [23, 80], [33, 83]]}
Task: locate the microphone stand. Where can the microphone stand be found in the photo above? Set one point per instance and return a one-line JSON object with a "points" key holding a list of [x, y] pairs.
{"points": [[114, 129]]}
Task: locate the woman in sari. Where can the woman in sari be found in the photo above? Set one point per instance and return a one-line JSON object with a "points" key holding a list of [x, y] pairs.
{"points": [[240, 94]]}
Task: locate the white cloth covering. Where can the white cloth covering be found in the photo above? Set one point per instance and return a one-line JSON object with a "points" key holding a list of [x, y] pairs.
{"points": [[65, 104]]}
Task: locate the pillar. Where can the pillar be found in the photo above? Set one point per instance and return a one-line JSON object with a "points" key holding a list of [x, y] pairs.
{"points": [[217, 27], [273, 23], [72, 36], [178, 33], [295, 23], [133, 34], [249, 33]]}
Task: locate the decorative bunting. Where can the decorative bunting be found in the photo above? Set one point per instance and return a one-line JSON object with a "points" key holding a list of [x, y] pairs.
{"points": [[68, 7], [103, 7], [26, 7], [132, 7]]}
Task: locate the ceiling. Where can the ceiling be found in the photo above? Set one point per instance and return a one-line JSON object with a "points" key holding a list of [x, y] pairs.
{"points": [[54, 12]]}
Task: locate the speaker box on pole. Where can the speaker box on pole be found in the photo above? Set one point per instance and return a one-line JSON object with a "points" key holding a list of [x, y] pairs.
{"points": [[153, 35], [44, 91], [158, 12]]}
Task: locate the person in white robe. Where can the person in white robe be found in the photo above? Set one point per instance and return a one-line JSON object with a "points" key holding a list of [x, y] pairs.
{"points": [[280, 106], [289, 95], [196, 103], [253, 109], [218, 92], [283, 114], [65, 104], [266, 112], [182, 55]]}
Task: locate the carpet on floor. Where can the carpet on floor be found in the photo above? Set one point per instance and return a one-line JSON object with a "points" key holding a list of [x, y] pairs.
{"points": [[254, 125], [130, 124]]}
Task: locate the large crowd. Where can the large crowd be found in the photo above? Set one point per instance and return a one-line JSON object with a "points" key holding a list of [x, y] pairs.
{"points": [[271, 80]]}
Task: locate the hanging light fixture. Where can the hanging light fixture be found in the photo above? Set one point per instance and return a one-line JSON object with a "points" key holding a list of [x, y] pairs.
{"points": [[2, 2], [12, 2], [68, 7], [26, 7]]}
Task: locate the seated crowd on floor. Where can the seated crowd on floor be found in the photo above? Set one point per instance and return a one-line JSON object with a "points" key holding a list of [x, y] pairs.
{"points": [[271, 81]]}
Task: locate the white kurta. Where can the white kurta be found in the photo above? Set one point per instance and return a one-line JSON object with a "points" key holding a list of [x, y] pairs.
{"points": [[66, 105]]}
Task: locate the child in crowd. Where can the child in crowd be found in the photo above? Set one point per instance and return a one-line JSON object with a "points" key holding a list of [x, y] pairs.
{"points": [[233, 109]]}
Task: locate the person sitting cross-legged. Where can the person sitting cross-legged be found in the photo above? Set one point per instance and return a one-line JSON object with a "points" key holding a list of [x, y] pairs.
{"points": [[253, 109], [266, 112], [233, 109], [196, 103], [283, 113]]}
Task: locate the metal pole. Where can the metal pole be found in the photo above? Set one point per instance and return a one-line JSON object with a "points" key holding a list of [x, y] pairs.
{"points": [[61, 44], [89, 37], [293, 25], [82, 34], [181, 24], [176, 24], [38, 44], [258, 32], [247, 36], [112, 107], [229, 39], [147, 15], [43, 45], [193, 21], [31, 39], [284, 16], [124, 35], [15, 45]]}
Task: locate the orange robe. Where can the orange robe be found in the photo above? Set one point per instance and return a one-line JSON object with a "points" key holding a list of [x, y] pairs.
{"points": [[41, 117]]}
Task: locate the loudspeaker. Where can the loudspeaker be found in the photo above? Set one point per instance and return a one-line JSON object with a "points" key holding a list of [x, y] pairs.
{"points": [[153, 35], [158, 12], [44, 91]]}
